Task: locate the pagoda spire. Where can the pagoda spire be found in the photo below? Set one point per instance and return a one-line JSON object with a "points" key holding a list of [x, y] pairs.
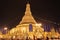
{"points": [[28, 18], [27, 12]]}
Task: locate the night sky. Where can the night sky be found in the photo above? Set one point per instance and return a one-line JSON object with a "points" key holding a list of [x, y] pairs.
{"points": [[12, 11]]}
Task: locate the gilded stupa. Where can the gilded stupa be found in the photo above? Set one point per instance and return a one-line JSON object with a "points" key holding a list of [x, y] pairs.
{"points": [[28, 26], [28, 18]]}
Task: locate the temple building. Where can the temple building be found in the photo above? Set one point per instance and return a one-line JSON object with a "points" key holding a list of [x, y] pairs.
{"points": [[28, 26]]}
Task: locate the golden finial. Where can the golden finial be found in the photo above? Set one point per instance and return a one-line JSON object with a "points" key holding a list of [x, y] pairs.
{"points": [[28, 11]]}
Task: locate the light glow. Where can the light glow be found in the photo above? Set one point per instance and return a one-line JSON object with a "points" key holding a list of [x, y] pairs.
{"points": [[5, 28]]}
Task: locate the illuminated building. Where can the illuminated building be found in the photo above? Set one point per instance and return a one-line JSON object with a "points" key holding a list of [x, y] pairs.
{"points": [[28, 26]]}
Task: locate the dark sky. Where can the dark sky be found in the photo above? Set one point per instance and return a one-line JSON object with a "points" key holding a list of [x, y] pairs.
{"points": [[13, 10]]}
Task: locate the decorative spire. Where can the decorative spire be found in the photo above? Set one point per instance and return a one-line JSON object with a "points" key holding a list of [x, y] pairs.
{"points": [[28, 18], [28, 11]]}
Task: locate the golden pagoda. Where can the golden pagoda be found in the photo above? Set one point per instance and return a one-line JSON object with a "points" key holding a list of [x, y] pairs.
{"points": [[28, 18], [28, 26]]}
